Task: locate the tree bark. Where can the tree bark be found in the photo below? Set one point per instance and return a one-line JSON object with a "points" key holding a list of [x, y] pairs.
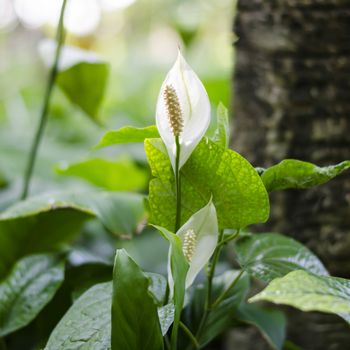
{"points": [[292, 100]]}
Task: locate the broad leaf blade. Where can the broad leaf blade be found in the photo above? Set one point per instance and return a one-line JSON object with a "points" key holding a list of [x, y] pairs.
{"points": [[87, 324], [135, 323], [112, 175], [238, 193], [84, 84], [31, 284], [127, 134], [82, 277], [44, 232], [292, 173], [222, 133], [119, 212], [271, 323], [308, 292], [269, 255], [48, 222]]}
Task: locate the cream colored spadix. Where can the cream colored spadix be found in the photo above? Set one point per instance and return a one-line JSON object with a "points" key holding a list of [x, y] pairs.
{"points": [[185, 94], [199, 237]]}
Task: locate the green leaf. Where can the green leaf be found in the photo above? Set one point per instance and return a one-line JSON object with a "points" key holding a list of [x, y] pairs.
{"points": [[47, 222], [127, 134], [270, 255], [87, 324], [82, 277], [179, 268], [220, 317], [3, 180], [119, 212], [166, 315], [238, 193], [222, 133], [84, 84], [292, 173], [44, 232], [271, 323], [308, 292], [113, 175], [31, 284], [135, 323]]}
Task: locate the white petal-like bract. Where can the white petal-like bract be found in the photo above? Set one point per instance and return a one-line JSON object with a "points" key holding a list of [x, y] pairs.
{"points": [[195, 108], [202, 231]]}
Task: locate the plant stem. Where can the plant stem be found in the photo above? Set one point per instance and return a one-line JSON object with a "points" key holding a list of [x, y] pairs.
{"points": [[231, 286], [177, 184], [190, 335], [45, 107], [230, 238], [211, 274], [175, 329]]}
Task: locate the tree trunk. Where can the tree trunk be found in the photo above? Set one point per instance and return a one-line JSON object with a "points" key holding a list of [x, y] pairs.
{"points": [[292, 100]]}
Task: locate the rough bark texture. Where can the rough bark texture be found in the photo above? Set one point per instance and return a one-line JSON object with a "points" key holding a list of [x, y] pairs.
{"points": [[292, 100]]}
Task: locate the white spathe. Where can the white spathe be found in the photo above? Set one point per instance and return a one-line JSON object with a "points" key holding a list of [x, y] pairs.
{"points": [[205, 225], [195, 107]]}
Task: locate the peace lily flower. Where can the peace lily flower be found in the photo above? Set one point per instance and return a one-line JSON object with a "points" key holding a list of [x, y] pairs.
{"points": [[199, 237], [183, 110]]}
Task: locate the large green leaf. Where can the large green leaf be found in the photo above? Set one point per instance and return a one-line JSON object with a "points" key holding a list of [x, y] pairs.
{"points": [[120, 212], [220, 317], [135, 323], [44, 232], [270, 255], [309, 292], [87, 324], [127, 134], [31, 284], [270, 322], [238, 193], [179, 267], [113, 175], [222, 133], [82, 277], [292, 173], [48, 222], [84, 84]]}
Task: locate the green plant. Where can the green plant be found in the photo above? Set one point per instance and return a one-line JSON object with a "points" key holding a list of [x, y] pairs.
{"points": [[202, 199]]}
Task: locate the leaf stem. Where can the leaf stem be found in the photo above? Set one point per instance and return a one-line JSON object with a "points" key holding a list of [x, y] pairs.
{"points": [[177, 184], [175, 329], [190, 335], [230, 238], [60, 34], [231, 286], [211, 273]]}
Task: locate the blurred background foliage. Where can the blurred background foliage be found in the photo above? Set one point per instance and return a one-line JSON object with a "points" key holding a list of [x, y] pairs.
{"points": [[139, 40]]}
